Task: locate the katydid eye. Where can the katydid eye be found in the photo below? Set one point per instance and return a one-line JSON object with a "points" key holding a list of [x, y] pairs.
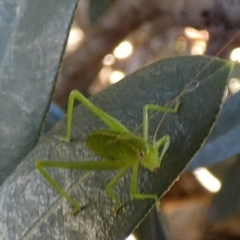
{"points": [[141, 154]]}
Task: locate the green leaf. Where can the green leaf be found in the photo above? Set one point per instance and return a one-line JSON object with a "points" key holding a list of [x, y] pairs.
{"points": [[31, 208], [223, 142], [33, 36]]}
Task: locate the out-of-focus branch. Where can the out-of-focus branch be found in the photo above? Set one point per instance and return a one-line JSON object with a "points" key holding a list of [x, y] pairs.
{"points": [[223, 28], [80, 68], [222, 41]]}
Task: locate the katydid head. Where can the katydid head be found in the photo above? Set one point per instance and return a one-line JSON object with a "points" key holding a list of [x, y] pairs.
{"points": [[151, 160]]}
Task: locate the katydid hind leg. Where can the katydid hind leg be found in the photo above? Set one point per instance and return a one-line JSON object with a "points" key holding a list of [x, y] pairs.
{"points": [[110, 121], [76, 206], [85, 165]]}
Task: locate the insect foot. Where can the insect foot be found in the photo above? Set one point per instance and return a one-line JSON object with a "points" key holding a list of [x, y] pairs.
{"points": [[117, 208], [139, 196], [64, 139], [76, 210]]}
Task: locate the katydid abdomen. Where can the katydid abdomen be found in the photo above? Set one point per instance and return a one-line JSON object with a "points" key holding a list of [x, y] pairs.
{"points": [[115, 146]]}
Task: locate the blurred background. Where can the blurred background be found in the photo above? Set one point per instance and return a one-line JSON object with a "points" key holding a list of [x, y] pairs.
{"points": [[111, 39]]}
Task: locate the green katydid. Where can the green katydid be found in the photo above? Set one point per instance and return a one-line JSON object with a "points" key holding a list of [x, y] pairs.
{"points": [[119, 148]]}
